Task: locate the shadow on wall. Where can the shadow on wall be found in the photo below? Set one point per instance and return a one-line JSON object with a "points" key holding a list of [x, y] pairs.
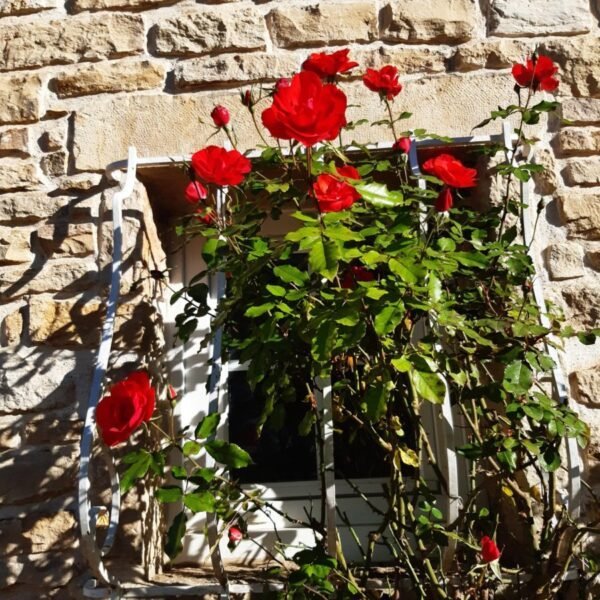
{"points": [[53, 311]]}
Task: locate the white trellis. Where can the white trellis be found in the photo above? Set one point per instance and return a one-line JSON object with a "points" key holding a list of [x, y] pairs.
{"points": [[103, 583]]}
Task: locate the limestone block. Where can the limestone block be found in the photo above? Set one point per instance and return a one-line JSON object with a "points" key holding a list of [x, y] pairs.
{"points": [[234, 67], [581, 213], [81, 182], [10, 570], [565, 260], [21, 7], [579, 140], [66, 239], [15, 245], [54, 164], [28, 207], [324, 23], [79, 38], [53, 276], [19, 96], [583, 304], [582, 171], [40, 472], [14, 141], [406, 60], [11, 541], [18, 174], [40, 574], [546, 181], [12, 328], [525, 18], [53, 427], [592, 258], [445, 22], [586, 385], [121, 76], [39, 380], [51, 532], [207, 29], [490, 54], [54, 135], [81, 5], [581, 110]]}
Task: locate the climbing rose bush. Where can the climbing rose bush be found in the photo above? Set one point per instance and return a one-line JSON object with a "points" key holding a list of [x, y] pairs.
{"points": [[406, 298]]}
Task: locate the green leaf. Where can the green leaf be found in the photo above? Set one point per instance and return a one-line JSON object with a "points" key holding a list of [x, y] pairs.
{"points": [[324, 341], [518, 378], [550, 459], [403, 270], [173, 545], [202, 474], [429, 386], [200, 502], [168, 493], [378, 194], [207, 426], [375, 400], [291, 274], [229, 454], [388, 318], [276, 290], [545, 106], [471, 259], [324, 257], [401, 364], [140, 463], [534, 412], [304, 217], [191, 448], [257, 311]]}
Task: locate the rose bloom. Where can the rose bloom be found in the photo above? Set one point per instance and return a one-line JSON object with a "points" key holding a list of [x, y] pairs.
{"points": [[235, 535], [332, 193], [489, 550], [539, 74], [220, 116], [383, 81], [130, 402], [451, 171], [307, 110], [353, 275], [328, 65], [195, 192], [214, 164], [402, 145]]}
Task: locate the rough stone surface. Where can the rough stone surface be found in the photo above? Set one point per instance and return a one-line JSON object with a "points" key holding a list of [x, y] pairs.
{"points": [[11, 328], [489, 54], [581, 213], [592, 258], [15, 245], [49, 470], [208, 29], [51, 532], [412, 21], [121, 76], [19, 97], [586, 385], [582, 171], [66, 239], [21, 7], [579, 140], [80, 38], [581, 110], [524, 18], [14, 141], [29, 207], [546, 181], [54, 136], [18, 175], [54, 164], [407, 60], [565, 260], [583, 306], [82, 182], [53, 276], [38, 379], [236, 67], [53, 427], [324, 23], [81, 5]]}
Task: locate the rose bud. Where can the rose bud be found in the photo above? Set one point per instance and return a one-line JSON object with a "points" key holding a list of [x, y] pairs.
{"points": [[247, 99], [235, 535], [195, 192], [220, 116], [489, 550], [403, 145]]}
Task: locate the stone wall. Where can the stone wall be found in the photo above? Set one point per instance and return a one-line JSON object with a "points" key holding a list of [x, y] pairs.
{"points": [[81, 80]]}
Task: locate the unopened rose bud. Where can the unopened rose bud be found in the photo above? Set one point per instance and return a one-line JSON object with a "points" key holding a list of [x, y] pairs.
{"points": [[247, 99], [235, 535], [402, 145], [220, 116], [195, 192]]}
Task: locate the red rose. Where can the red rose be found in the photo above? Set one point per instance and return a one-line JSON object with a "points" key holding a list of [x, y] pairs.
{"points": [[214, 164], [282, 83], [444, 200], [451, 171], [220, 116], [327, 65], [195, 192], [235, 535], [353, 275], [334, 194], [206, 215], [538, 74], [384, 82], [403, 145], [130, 402], [489, 550], [307, 110]]}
